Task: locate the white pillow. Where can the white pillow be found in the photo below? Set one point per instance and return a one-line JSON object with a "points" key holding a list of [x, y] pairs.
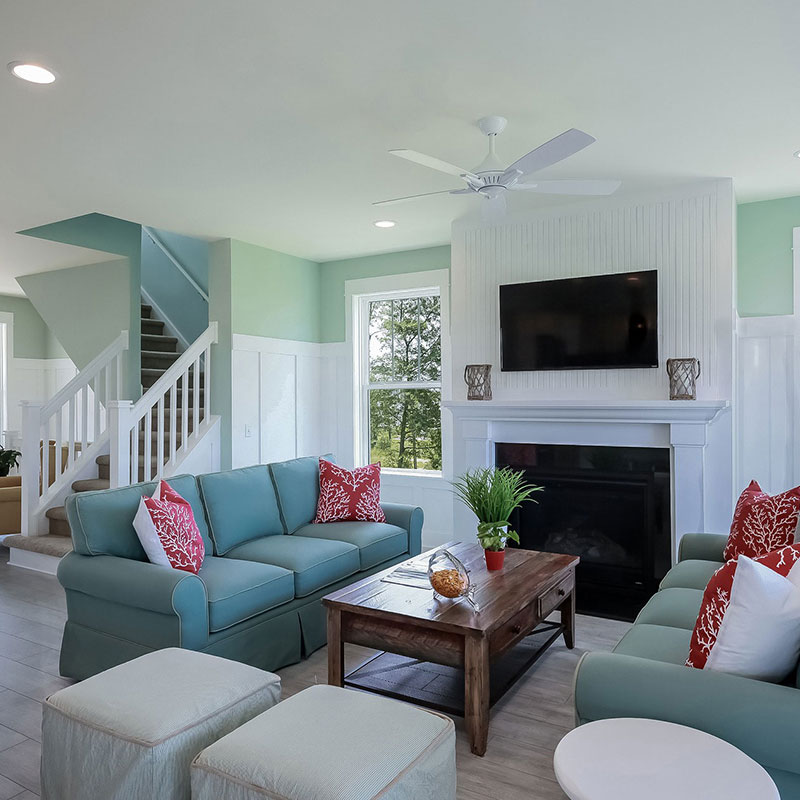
{"points": [[759, 636]]}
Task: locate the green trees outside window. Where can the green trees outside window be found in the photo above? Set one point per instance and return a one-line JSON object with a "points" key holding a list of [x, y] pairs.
{"points": [[405, 373]]}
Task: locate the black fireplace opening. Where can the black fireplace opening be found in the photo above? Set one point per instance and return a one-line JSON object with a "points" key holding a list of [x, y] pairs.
{"points": [[608, 505]]}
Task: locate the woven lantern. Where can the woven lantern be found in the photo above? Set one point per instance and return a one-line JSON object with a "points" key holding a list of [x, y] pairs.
{"points": [[683, 374], [478, 378]]}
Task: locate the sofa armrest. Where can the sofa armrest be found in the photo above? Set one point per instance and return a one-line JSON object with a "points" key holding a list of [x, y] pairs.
{"points": [[761, 719], [143, 586], [410, 518], [702, 546]]}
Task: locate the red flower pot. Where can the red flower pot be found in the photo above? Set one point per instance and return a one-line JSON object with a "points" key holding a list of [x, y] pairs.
{"points": [[494, 559]]}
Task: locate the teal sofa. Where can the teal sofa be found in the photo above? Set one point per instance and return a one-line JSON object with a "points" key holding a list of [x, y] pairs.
{"points": [[257, 597], [645, 676]]}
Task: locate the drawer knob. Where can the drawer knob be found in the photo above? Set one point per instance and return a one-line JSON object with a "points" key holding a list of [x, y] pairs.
{"points": [[516, 629], [561, 592]]}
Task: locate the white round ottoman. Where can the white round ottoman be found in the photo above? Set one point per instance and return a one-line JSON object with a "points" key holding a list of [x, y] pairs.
{"points": [[628, 759]]}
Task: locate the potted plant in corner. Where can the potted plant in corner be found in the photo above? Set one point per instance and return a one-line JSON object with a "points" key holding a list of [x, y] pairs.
{"points": [[492, 494], [8, 459]]}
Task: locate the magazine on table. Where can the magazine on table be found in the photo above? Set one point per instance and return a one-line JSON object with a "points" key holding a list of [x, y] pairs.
{"points": [[411, 573]]}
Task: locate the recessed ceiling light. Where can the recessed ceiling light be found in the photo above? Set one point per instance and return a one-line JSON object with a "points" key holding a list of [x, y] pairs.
{"points": [[385, 223], [797, 153], [35, 73]]}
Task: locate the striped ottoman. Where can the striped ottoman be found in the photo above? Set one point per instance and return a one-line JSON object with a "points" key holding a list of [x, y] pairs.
{"points": [[327, 743], [132, 731]]}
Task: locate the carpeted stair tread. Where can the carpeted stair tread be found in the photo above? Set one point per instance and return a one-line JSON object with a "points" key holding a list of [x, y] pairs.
{"points": [[146, 311], [57, 512], [90, 485], [159, 343], [152, 327], [49, 544]]}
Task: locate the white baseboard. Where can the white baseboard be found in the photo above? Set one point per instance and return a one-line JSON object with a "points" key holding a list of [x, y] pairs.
{"points": [[36, 562]]}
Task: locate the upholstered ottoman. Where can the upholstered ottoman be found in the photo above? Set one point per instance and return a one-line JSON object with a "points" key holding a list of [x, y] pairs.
{"points": [[131, 732], [327, 743]]}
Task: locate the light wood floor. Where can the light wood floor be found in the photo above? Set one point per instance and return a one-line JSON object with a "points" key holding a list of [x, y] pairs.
{"points": [[526, 724]]}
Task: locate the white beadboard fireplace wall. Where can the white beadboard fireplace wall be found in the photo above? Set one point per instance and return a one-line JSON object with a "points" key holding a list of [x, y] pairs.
{"points": [[687, 234]]}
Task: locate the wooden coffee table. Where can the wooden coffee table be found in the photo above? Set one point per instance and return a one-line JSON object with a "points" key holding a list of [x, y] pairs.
{"points": [[411, 622]]}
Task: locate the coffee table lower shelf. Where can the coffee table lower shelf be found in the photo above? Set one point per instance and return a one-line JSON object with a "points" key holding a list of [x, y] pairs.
{"points": [[441, 687]]}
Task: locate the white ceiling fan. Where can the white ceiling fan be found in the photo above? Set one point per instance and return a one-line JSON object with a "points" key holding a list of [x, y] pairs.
{"points": [[491, 179]]}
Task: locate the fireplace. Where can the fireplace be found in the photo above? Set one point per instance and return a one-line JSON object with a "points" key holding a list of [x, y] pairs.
{"points": [[608, 505]]}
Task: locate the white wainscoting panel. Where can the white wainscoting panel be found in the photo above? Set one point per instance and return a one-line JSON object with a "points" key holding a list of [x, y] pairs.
{"points": [[768, 396], [686, 234], [35, 380], [278, 408], [433, 494]]}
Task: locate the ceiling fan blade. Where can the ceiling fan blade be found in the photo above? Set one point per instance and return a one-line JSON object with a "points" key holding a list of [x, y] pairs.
{"points": [[562, 146], [464, 191], [585, 187], [416, 196], [433, 163]]}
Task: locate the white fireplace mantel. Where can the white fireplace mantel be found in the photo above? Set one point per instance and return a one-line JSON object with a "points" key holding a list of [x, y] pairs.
{"points": [[682, 426]]}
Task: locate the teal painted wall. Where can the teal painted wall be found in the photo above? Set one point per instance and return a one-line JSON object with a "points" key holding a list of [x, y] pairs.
{"points": [[109, 235], [335, 273], [32, 338], [181, 303], [274, 294], [97, 295], [765, 285], [219, 310]]}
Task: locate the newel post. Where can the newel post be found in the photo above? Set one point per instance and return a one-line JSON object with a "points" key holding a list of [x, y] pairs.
{"points": [[30, 468], [119, 430]]}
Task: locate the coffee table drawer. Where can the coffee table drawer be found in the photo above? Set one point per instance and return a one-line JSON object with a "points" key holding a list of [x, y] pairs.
{"points": [[553, 598]]}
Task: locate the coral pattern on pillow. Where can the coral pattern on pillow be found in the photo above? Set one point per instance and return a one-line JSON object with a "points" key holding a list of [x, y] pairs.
{"points": [[717, 596], [349, 495], [762, 523], [168, 532]]}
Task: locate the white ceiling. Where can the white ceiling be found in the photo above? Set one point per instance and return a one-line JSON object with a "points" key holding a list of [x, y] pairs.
{"points": [[269, 121]]}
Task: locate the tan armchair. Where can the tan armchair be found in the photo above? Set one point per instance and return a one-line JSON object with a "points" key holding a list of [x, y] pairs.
{"points": [[10, 504]]}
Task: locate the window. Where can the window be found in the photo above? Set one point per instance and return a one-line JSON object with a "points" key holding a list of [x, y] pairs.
{"points": [[400, 385]]}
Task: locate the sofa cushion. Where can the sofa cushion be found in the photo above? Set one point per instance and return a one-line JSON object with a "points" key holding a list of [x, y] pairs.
{"points": [[102, 522], [241, 506], [656, 642], [376, 541], [690, 574], [675, 608], [315, 562], [238, 590], [297, 486]]}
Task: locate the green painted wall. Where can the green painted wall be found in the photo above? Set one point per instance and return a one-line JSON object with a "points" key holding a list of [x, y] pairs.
{"points": [[764, 236], [109, 235], [32, 338], [274, 294], [97, 295], [335, 273]]}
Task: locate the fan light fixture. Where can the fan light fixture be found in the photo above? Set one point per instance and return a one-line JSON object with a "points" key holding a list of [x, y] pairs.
{"points": [[33, 73], [385, 223]]}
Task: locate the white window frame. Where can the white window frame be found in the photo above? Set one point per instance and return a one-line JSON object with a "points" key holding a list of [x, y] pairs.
{"points": [[392, 287]]}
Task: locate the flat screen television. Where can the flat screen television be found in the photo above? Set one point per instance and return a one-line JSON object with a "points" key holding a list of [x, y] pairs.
{"points": [[597, 322]]}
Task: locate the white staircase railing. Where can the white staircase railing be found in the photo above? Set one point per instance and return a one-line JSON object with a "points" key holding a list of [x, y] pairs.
{"points": [[60, 438], [144, 436]]}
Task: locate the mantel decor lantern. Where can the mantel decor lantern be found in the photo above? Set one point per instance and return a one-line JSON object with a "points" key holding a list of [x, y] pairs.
{"points": [[683, 374], [478, 378]]}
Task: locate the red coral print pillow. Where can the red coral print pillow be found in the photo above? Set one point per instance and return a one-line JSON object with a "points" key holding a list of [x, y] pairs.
{"points": [[168, 532], [349, 495], [762, 523], [717, 596]]}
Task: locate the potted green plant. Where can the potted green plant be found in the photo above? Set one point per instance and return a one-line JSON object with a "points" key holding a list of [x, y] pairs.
{"points": [[8, 459], [492, 494]]}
